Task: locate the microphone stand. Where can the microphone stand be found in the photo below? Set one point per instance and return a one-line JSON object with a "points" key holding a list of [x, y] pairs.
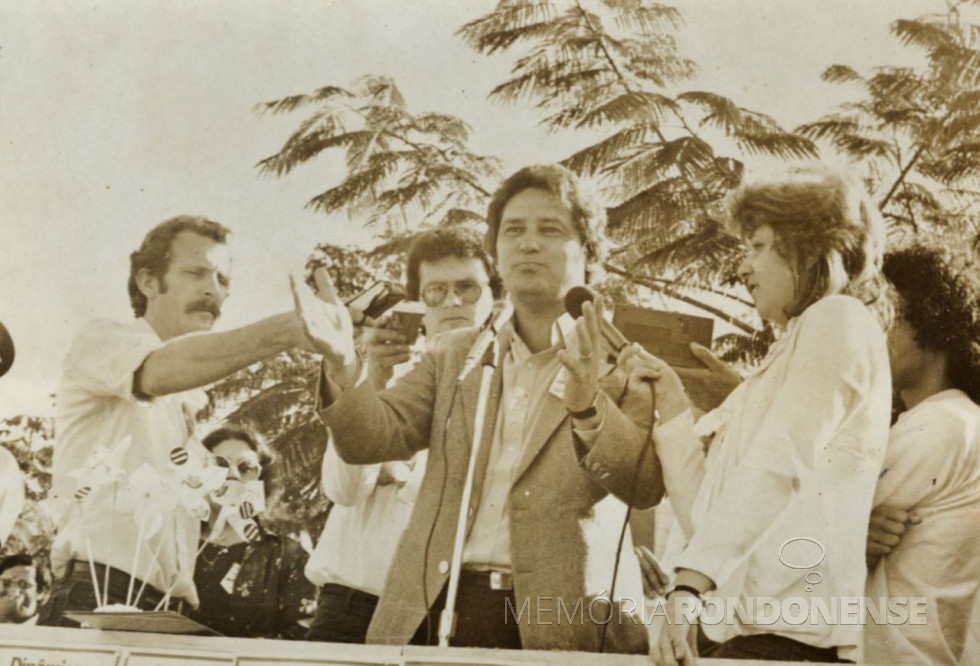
{"points": [[447, 619]]}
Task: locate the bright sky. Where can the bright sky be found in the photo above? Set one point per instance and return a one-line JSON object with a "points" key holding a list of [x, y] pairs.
{"points": [[116, 115]]}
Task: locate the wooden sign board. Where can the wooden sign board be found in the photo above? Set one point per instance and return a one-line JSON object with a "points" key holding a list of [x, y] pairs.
{"points": [[667, 335]]}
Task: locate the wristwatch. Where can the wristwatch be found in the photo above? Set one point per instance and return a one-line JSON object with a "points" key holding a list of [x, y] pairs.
{"points": [[588, 412]]}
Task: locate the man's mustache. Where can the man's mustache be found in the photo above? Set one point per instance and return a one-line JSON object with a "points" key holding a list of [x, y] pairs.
{"points": [[204, 305]]}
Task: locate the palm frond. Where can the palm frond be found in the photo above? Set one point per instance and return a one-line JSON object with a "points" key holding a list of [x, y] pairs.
{"points": [[841, 74], [510, 22]]}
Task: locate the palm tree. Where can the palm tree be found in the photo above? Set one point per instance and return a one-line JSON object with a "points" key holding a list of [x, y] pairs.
{"points": [[917, 130], [403, 170], [611, 67]]}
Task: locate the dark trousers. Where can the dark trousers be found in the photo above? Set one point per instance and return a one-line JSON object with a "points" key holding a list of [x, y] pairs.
{"points": [[342, 615], [765, 647], [74, 592], [483, 619]]}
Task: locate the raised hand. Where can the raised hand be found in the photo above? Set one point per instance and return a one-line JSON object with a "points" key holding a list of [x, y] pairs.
{"points": [[326, 322], [581, 360], [709, 386]]}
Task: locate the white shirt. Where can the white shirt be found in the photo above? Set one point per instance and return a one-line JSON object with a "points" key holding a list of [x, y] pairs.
{"points": [[361, 536], [797, 452], [932, 467], [97, 408], [526, 378], [359, 541]]}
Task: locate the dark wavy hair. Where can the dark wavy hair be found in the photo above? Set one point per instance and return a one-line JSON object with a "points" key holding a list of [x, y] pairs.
{"points": [[42, 579], [825, 227], [253, 439], [943, 307], [438, 244], [588, 215], [154, 252]]}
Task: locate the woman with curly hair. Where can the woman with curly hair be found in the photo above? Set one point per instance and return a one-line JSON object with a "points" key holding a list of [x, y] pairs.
{"points": [[922, 540], [797, 447]]}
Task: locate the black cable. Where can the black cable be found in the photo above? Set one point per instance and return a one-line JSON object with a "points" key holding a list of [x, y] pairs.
{"points": [[626, 522]]}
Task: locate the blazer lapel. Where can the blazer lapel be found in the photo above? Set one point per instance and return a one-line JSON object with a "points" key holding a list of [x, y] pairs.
{"points": [[552, 413]]}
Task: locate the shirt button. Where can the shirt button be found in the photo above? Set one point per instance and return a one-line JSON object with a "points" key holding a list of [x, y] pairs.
{"points": [[527, 493], [443, 567]]}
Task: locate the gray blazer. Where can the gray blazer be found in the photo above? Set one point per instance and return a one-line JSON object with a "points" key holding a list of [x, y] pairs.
{"points": [[564, 525]]}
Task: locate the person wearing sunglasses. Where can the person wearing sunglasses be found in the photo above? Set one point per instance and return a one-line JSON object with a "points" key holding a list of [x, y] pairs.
{"points": [[251, 584], [451, 273]]}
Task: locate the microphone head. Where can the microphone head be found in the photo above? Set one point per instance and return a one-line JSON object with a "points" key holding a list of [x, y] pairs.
{"points": [[576, 297]]}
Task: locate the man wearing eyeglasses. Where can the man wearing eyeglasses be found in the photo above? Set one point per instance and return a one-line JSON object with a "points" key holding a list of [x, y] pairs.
{"points": [[22, 587], [542, 528], [452, 274]]}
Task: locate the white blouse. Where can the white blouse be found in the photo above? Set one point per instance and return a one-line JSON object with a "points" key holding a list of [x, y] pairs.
{"points": [[779, 507]]}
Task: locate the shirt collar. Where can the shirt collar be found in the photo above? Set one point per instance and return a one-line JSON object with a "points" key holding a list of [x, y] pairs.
{"points": [[562, 332]]}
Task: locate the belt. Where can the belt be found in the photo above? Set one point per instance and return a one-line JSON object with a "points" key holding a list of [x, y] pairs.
{"points": [[500, 581], [119, 580]]}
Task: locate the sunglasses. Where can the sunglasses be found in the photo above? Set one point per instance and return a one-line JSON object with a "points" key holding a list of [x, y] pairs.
{"points": [[434, 294], [248, 469]]}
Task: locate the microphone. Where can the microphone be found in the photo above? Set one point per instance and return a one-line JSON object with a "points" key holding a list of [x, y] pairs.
{"points": [[576, 297], [500, 315]]}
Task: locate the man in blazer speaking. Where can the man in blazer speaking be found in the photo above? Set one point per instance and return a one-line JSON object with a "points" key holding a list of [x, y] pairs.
{"points": [[543, 528]]}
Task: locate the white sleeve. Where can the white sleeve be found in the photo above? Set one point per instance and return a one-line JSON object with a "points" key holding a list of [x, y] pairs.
{"points": [[681, 454], [925, 451], [105, 356], [343, 483]]}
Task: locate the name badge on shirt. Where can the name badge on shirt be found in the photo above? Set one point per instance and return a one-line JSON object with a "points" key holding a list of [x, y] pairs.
{"points": [[228, 582]]}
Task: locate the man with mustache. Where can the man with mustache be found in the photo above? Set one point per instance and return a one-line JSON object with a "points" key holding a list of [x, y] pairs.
{"points": [[134, 390]]}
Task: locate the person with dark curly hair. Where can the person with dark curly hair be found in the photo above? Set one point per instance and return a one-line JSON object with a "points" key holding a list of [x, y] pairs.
{"points": [[922, 540]]}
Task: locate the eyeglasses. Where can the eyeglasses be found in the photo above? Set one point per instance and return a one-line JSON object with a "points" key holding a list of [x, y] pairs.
{"points": [[434, 294], [248, 469], [21, 583]]}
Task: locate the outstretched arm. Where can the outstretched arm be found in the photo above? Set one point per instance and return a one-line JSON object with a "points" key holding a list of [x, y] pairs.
{"points": [[191, 361]]}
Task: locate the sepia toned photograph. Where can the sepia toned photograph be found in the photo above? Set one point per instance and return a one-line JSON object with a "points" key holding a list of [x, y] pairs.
{"points": [[489, 332]]}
